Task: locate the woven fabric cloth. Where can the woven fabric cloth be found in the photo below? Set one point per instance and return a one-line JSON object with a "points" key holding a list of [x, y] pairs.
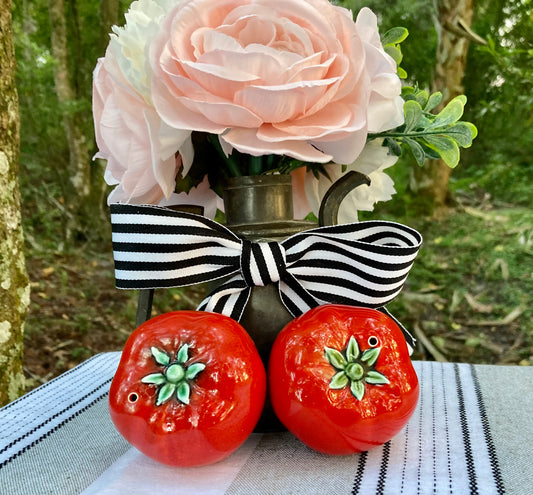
{"points": [[471, 434]]}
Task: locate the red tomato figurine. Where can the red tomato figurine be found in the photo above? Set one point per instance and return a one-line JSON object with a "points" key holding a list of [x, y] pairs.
{"points": [[341, 379], [189, 389]]}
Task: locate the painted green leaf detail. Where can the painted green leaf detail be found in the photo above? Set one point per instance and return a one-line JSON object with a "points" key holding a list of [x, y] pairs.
{"points": [[376, 378], [183, 353], [358, 389], [193, 370], [183, 392], [340, 380], [165, 393], [154, 378], [161, 357], [352, 351], [370, 356], [335, 358]]}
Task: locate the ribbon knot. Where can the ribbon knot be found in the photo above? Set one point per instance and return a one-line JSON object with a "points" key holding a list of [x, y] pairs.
{"points": [[262, 263], [359, 264]]}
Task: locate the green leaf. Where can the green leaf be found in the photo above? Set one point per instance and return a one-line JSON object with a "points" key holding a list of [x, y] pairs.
{"points": [[352, 350], [358, 389], [401, 73], [413, 112], [416, 150], [394, 146], [183, 353], [422, 98], [376, 378], [408, 91], [340, 380], [395, 53], [335, 358], [154, 379], [394, 35], [370, 356], [446, 147], [165, 393], [451, 113], [433, 101], [193, 370], [463, 133], [183, 392], [161, 357]]}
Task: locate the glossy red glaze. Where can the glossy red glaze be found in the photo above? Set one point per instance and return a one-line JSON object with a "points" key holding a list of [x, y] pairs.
{"points": [[226, 398], [335, 421]]}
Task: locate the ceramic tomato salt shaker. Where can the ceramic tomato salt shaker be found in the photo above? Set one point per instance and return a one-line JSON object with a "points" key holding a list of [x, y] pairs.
{"points": [[189, 389], [341, 379]]}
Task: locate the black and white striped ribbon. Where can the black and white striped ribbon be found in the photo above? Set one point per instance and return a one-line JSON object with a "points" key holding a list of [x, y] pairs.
{"points": [[360, 264]]}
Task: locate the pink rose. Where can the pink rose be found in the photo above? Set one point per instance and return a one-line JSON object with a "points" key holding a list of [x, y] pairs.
{"points": [[287, 77]]}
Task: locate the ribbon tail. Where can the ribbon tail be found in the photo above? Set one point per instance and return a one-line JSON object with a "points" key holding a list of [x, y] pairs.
{"points": [[411, 341], [295, 297], [229, 299]]}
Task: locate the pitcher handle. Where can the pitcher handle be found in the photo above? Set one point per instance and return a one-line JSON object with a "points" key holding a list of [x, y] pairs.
{"points": [[329, 208]]}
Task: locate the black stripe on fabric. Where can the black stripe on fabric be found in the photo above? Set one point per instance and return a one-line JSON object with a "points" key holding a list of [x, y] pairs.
{"points": [[389, 230], [170, 282], [433, 429], [331, 265], [382, 478], [163, 229], [261, 263], [494, 464], [346, 249], [446, 427], [51, 418], [470, 466], [359, 473], [399, 239], [51, 382], [421, 451], [307, 298], [357, 289], [240, 304], [159, 266], [246, 254], [146, 247], [279, 259], [348, 228], [127, 209], [220, 304]]}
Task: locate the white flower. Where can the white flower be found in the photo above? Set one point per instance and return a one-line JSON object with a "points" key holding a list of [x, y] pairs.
{"points": [[139, 147], [130, 44], [372, 162]]}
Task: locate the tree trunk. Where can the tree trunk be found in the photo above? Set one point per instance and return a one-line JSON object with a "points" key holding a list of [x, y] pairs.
{"points": [[79, 161], [14, 287], [109, 16], [430, 182]]}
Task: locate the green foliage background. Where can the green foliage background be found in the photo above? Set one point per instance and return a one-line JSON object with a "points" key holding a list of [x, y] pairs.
{"points": [[483, 249]]}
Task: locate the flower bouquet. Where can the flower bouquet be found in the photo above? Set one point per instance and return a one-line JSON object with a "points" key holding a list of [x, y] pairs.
{"points": [[196, 91], [192, 94]]}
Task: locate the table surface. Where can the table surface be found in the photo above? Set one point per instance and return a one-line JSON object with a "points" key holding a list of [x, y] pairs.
{"points": [[472, 433]]}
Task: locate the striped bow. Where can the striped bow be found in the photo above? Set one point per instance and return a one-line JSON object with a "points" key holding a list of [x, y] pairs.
{"points": [[360, 264]]}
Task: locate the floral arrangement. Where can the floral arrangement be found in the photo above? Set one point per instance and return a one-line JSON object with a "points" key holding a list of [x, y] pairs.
{"points": [[193, 91]]}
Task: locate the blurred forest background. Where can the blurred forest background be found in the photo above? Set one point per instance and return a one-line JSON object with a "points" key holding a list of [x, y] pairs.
{"points": [[469, 296]]}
